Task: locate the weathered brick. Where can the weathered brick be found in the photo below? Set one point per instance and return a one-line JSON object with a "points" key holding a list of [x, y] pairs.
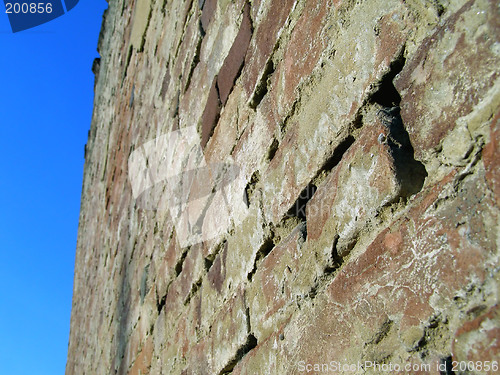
{"points": [[192, 269], [477, 340], [265, 37], [273, 287], [165, 268], [225, 134], [452, 57], [404, 278], [251, 148], [235, 57], [242, 249], [216, 275], [143, 361], [208, 9], [321, 123], [419, 283], [304, 48], [193, 103], [429, 256], [231, 266], [490, 158], [264, 359], [365, 177], [229, 333]]}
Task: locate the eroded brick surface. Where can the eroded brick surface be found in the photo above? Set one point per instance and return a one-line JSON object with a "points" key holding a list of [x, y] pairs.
{"points": [[457, 53], [347, 184]]}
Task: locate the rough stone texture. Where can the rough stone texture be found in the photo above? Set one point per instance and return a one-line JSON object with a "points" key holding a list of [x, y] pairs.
{"points": [[362, 225]]}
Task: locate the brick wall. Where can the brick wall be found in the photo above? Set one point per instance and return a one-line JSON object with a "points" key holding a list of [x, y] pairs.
{"points": [[339, 196]]}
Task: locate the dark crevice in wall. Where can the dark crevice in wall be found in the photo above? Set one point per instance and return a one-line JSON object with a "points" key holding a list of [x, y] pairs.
{"points": [[127, 63], [386, 94], [143, 39], [180, 263], [96, 66], [357, 123], [382, 333], [209, 259], [124, 6], [313, 292], [272, 149], [335, 263], [132, 96], [440, 9], [208, 262], [164, 6], [249, 327], [410, 172], [175, 105], [336, 260], [446, 366], [473, 156], [263, 251], [144, 283], [194, 289], [299, 207], [435, 331], [250, 188], [250, 344], [337, 155], [263, 85], [194, 63], [160, 303], [290, 115]]}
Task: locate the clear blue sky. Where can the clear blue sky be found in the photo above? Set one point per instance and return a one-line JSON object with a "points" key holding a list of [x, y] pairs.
{"points": [[46, 99]]}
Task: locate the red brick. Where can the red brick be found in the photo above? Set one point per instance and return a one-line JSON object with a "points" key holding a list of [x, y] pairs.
{"points": [[217, 273], [192, 267], [390, 39], [174, 299], [143, 361], [226, 133], [304, 48], [236, 56], [210, 114], [264, 40], [419, 262], [209, 8], [418, 257], [477, 340], [198, 360], [471, 60]]}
